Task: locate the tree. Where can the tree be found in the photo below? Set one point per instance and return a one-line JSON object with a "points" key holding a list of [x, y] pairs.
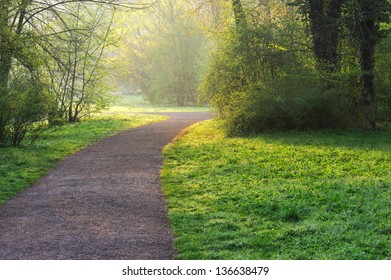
{"points": [[324, 20], [368, 16], [175, 57], [23, 33], [166, 53], [76, 70], [22, 94], [256, 76], [361, 19]]}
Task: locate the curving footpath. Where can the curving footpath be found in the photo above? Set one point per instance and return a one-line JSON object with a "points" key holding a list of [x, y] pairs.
{"points": [[103, 202]]}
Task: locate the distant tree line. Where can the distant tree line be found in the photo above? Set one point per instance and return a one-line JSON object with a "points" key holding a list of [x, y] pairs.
{"points": [[165, 52]]}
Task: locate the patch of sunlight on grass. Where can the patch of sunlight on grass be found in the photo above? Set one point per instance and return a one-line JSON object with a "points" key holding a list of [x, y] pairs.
{"points": [[136, 104], [279, 195]]}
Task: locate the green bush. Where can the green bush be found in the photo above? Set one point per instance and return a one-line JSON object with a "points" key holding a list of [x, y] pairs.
{"points": [[256, 83], [22, 108], [291, 103]]}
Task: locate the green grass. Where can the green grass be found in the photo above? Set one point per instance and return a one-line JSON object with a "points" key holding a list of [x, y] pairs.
{"points": [[136, 103], [293, 195], [22, 166]]}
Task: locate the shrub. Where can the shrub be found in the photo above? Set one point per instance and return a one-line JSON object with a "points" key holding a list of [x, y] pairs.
{"points": [[22, 108], [256, 84], [292, 103]]}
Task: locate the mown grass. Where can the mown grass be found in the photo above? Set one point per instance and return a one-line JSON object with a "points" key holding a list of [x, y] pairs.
{"points": [[22, 166], [136, 103], [293, 195]]}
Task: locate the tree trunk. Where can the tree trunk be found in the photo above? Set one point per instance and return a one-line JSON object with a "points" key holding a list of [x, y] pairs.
{"points": [[367, 59], [325, 32], [317, 28], [333, 17]]}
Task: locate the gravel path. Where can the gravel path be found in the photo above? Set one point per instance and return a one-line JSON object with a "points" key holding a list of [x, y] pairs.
{"points": [[104, 202]]}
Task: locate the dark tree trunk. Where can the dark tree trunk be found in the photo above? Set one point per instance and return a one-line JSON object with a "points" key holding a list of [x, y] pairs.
{"points": [[333, 17], [367, 54], [317, 26], [324, 28]]}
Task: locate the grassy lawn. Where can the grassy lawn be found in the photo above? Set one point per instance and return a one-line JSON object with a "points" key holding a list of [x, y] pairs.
{"points": [[22, 166], [293, 195]]}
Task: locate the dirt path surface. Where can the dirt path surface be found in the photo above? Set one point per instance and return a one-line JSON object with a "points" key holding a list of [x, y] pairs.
{"points": [[104, 202]]}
